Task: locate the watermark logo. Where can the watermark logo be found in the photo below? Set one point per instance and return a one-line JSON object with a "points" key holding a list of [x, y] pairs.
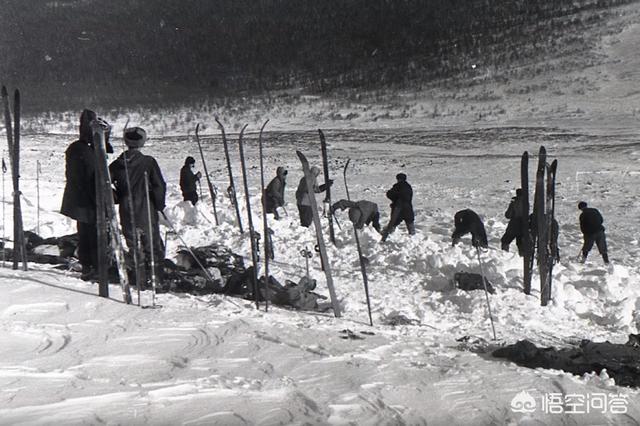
{"points": [[523, 402], [571, 403]]}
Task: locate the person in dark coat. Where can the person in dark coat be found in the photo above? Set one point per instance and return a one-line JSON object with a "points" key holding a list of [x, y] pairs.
{"points": [[361, 213], [401, 195], [515, 214], [592, 231], [189, 181], [467, 221], [136, 197], [79, 198], [275, 192], [303, 199]]}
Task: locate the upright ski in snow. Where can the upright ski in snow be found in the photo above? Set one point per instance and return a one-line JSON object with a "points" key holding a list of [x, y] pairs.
{"points": [[106, 211], [212, 191], [363, 266], [551, 248], [321, 245], [539, 210], [232, 186], [527, 244], [252, 235], [13, 141], [265, 224], [327, 198]]}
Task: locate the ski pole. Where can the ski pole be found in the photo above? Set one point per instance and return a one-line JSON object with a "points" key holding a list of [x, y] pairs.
{"points": [[486, 292], [336, 220], [265, 224], [150, 240], [285, 211], [4, 235], [212, 192], [38, 196]]}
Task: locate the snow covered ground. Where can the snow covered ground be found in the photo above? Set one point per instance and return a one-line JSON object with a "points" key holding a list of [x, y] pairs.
{"points": [[70, 357]]}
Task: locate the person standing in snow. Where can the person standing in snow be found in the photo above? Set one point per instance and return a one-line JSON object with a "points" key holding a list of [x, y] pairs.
{"points": [[136, 197], [274, 193], [592, 232], [467, 221], [189, 181], [303, 199], [401, 196], [361, 213], [79, 199], [515, 214]]}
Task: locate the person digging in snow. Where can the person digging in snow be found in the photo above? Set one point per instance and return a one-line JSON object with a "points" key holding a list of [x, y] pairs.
{"points": [[189, 181], [79, 198], [302, 196], [592, 232], [467, 221], [137, 164], [361, 213], [515, 214], [401, 195], [274, 193]]}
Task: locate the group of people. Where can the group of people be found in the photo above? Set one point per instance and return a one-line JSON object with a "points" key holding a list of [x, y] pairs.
{"points": [[591, 225], [136, 178], [361, 212]]}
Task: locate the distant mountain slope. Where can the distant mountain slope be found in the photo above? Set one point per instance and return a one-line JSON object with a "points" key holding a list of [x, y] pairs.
{"points": [[65, 52]]}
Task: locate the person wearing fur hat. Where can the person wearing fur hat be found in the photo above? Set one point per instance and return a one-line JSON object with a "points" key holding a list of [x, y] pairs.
{"points": [[137, 164], [401, 196], [592, 232], [303, 199], [79, 198], [189, 181], [274, 193]]}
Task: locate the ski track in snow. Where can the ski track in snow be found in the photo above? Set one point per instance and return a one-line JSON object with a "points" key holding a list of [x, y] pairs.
{"points": [[70, 357]]}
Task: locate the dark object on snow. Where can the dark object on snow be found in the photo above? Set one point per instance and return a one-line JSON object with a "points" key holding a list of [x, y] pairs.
{"points": [[467, 221], [469, 281], [634, 340], [622, 362], [32, 240]]}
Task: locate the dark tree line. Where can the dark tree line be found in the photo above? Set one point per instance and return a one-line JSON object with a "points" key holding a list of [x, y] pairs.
{"points": [[91, 50]]}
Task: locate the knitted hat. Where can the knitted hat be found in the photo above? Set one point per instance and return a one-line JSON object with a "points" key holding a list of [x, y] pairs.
{"points": [[189, 160], [582, 205], [401, 177], [135, 137]]}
